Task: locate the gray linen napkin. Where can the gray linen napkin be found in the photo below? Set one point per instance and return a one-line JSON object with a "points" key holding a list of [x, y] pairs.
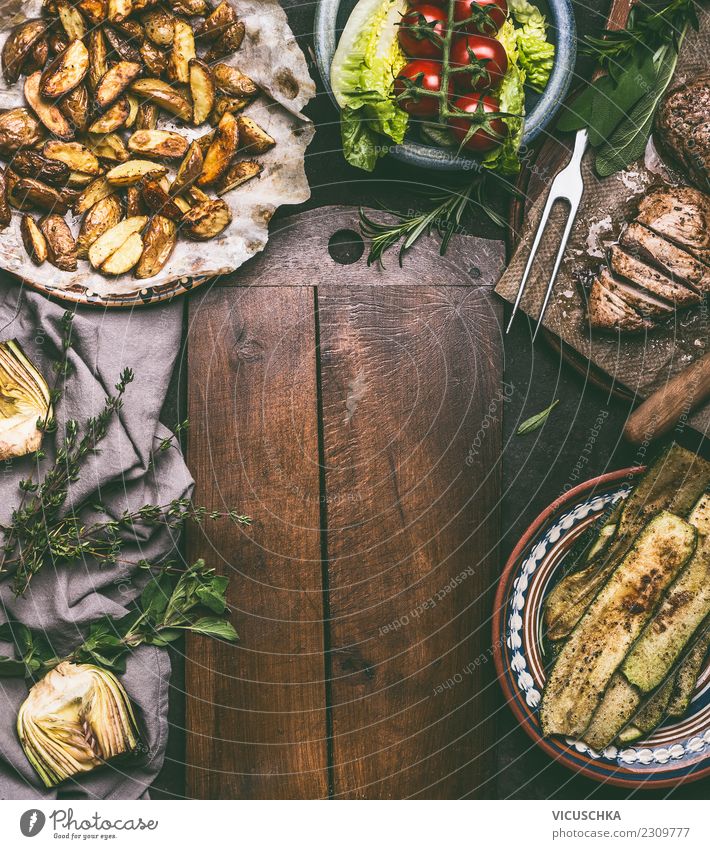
{"points": [[64, 600]]}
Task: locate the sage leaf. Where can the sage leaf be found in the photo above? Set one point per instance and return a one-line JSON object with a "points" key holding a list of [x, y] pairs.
{"points": [[212, 626], [536, 421]]}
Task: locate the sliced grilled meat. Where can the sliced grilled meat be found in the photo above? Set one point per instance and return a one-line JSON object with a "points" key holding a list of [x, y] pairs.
{"points": [[651, 279], [674, 261], [681, 214], [640, 300], [607, 311], [683, 128]]}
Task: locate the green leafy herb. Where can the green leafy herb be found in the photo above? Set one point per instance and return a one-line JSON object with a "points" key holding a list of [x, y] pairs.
{"points": [[443, 217], [536, 421], [174, 601]]}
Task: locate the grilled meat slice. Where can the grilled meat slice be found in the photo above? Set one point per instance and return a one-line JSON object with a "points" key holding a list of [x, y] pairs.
{"points": [[674, 261], [642, 301], [683, 128], [681, 214], [651, 279], [607, 311]]}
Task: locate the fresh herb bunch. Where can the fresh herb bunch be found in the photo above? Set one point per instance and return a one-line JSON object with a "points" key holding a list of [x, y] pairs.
{"points": [[444, 217], [43, 530], [618, 108], [174, 601]]}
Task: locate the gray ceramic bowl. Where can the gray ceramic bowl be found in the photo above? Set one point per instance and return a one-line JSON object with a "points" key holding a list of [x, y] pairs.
{"points": [[331, 16]]}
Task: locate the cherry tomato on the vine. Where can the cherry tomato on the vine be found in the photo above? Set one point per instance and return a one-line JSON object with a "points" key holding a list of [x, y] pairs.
{"points": [[489, 15], [414, 27], [469, 49], [425, 73], [481, 140]]}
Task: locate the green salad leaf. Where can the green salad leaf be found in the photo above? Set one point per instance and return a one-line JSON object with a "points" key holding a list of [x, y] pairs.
{"points": [[504, 158], [536, 55], [365, 64]]}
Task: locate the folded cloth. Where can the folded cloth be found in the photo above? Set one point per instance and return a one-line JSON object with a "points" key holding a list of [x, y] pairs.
{"points": [[63, 600]]}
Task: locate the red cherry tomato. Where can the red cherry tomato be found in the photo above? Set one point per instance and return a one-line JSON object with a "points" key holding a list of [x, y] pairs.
{"points": [[415, 42], [481, 140], [489, 52], [489, 15], [424, 73]]}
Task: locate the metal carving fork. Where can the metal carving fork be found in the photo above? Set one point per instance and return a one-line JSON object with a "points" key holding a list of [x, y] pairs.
{"points": [[569, 186]]}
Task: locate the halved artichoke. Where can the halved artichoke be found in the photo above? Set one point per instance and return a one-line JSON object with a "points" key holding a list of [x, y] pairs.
{"points": [[75, 719], [24, 401]]}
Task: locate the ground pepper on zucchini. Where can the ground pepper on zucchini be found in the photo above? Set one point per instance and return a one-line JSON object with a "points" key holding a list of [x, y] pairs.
{"points": [[451, 71], [604, 688]]}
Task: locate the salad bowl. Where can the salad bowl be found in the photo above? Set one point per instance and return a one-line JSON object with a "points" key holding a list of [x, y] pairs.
{"points": [[332, 15]]}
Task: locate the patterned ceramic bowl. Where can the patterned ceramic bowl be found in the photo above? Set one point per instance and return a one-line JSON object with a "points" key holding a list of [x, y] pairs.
{"points": [[678, 751]]}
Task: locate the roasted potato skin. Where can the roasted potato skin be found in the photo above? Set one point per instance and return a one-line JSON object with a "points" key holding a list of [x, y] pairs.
{"points": [[163, 95], [253, 139], [234, 82], [39, 195], [155, 61], [159, 27], [121, 46], [98, 57], [101, 217], [157, 200], [221, 151], [228, 43], [65, 72], [75, 107], [158, 242], [74, 155], [160, 144], [33, 239], [113, 118], [217, 23], [31, 163], [19, 129], [5, 211], [134, 202], [19, 46], [147, 117], [92, 194], [45, 110], [206, 220], [115, 81], [189, 170], [239, 172], [61, 248]]}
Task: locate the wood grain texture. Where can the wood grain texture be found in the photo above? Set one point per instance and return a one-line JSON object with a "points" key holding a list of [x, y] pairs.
{"points": [[412, 448], [256, 711]]}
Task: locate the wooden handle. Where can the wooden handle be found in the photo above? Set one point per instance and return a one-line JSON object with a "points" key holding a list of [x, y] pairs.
{"points": [[661, 411], [618, 18]]}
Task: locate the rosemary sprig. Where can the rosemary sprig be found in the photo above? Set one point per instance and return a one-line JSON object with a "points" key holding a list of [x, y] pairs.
{"points": [[174, 601], [443, 217]]}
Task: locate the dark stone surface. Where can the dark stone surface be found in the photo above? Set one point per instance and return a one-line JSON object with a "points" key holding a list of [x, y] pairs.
{"points": [[536, 467]]}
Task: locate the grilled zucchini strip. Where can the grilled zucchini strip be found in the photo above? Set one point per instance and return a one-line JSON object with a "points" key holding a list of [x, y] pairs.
{"points": [[613, 623], [687, 676]]}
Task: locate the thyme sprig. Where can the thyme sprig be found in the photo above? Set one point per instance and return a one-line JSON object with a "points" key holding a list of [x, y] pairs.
{"points": [[44, 529]]}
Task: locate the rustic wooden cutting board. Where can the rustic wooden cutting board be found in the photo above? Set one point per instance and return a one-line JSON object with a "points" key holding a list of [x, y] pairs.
{"points": [[355, 414]]}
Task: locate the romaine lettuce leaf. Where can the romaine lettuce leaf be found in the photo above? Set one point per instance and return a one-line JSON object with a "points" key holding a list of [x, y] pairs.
{"points": [[365, 64], [504, 158], [535, 53]]}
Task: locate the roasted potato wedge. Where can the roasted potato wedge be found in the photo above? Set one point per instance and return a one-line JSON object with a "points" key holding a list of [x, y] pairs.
{"points": [[33, 240], [115, 81], [206, 220], [5, 211], [228, 43], [155, 61], [158, 201], [159, 27], [125, 258], [223, 104], [234, 82], [77, 180], [202, 90], [74, 155], [57, 43], [239, 173], [33, 193], [217, 23], [110, 241], [118, 10], [93, 194], [221, 151], [93, 10], [37, 58], [75, 107], [98, 57], [189, 170], [61, 248], [163, 95], [133, 171], [114, 118], [11, 181], [109, 147], [71, 19], [31, 163], [158, 242], [134, 202], [19, 46], [19, 129], [131, 30], [205, 141], [197, 196], [121, 46], [133, 107], [189, 8], [147, 117], [65, 72], [45, 110], [252, 138], [161, 144], [183, 51], [101, 217]]}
